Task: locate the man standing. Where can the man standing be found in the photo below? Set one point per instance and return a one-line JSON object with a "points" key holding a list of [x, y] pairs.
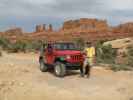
{"points": [[89, 58]]}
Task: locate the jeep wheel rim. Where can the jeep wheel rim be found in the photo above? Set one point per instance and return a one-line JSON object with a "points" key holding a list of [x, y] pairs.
{"points": [[57, 70]]}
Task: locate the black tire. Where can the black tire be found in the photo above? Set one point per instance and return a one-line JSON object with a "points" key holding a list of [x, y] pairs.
{"points": [[60, 69], [43, 66]]}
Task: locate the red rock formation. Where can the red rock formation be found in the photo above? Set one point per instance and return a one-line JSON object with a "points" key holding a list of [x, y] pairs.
{"points": [[40, 28], [88, 29], [90, 25], [50, 28]]}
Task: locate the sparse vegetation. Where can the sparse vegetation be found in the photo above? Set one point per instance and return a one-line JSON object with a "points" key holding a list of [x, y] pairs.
{"points": [[20, 45]]}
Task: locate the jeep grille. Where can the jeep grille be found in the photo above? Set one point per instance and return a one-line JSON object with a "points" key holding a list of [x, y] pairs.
{"points": [[76, 57]]}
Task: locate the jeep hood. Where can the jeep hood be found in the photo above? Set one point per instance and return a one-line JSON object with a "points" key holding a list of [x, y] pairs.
{"points": [[68, 52]]}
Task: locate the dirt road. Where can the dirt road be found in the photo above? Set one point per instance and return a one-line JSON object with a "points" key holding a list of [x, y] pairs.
{"points": [[21, 79]]}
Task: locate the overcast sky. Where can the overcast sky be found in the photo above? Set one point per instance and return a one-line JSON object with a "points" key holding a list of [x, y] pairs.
{"points": [[28, 13]]}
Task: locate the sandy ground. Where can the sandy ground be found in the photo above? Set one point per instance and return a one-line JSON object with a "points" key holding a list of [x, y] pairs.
{"points": [[21, 79]]}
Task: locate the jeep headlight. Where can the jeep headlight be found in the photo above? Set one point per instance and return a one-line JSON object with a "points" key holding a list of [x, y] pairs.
{"points": [[62, 58], [68, 57]]}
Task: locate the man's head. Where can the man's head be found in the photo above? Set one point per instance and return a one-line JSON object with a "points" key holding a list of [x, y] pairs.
{"points": [[88, 44]]}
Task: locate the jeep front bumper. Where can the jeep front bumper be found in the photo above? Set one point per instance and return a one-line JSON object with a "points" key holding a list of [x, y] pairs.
{"points": [[73, 66]]}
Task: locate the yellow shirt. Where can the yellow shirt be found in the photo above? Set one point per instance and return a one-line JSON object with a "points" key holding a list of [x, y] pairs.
{"points": [[90, 52]]}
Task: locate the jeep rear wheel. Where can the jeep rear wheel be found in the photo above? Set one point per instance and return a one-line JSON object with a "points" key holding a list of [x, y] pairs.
{"points": [[60, 69], [43, 66]]}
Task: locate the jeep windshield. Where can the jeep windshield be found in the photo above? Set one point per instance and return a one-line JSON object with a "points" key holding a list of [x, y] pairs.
{"points": [[65, 46]]}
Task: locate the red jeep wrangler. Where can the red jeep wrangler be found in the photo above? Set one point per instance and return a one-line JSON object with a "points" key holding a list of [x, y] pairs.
{"points": [[61, 57]]}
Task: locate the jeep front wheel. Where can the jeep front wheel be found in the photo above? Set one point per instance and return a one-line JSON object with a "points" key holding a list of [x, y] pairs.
{"points": [[60, 69], [43, 67]]}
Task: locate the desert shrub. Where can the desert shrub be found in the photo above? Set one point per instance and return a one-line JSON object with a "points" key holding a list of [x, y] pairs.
{"points": [[99, 51], [108, 54], [16, 47], [36, 45], [130, 56], [29, 46], [24, 46], [4, 42], [105, 53]]}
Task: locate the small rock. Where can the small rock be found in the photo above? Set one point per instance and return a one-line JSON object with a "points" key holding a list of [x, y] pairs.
{"points": [[121, 90], [25, 70], [131, 98], [2, 84], [12, 82], [21, 84], [11, 65]]}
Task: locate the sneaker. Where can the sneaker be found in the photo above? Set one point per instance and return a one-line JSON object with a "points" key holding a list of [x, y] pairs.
{"points": [[87, 76], [82, 75]]}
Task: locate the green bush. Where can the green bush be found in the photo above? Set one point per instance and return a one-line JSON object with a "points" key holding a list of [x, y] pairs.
{"points": [[105, 53]]}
